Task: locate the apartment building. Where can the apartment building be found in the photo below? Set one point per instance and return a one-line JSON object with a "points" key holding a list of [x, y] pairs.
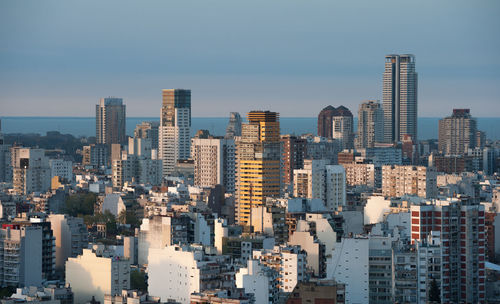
{"points": [[409, 180], [91, 275]]}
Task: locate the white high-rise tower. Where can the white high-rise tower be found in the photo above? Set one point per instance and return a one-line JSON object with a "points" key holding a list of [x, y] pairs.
{"points": [[175, 125], [400, 98]]}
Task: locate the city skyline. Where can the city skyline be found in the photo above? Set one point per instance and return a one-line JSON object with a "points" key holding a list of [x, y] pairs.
{"points": [[53, 67], [257, 152]]}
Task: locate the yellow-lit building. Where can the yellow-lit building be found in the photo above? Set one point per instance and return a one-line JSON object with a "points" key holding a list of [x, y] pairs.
{"points": [[258, 173]]}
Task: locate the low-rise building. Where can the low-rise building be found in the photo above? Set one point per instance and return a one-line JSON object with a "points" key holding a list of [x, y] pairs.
{"points": [[91, 275], [318, 291], [260, 281], [289, 263], [175, 272]]}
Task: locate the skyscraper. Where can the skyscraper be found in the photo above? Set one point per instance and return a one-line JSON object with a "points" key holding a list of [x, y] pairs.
{"points": [[175, 125], [457, 133], [294, 152], [342, 128], [370, 124], [110, 121], [234, 126], [258, 163], [400, 98], [5, 160], [325, 122]]}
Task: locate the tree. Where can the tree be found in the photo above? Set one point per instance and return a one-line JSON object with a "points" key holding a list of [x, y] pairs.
{"points": [[80, 204], [138, 280], [434, 292], [122, 217], [128, 217], [7, 291]]}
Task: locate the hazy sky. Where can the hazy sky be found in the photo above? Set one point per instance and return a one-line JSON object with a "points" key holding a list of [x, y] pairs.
{"points": [[294, 57]]}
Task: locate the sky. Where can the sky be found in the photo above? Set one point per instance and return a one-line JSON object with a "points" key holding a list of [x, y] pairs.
{"points": [[58, 58]]}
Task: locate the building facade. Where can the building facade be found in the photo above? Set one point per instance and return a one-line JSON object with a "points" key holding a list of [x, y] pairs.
{"points": [[140, 164], [19, 266], [148, 130], [457, 133], [399, 98], [294, 152], [325, 122], [258, 163], [360, 174], [31, 170], [62, 168], [214, 162], [234, 126], [5, 159], [91, 275], [409, 180], [460, 224], [342, 128], [175, 126], [370, 124], [110, 121], [71, 237], [323, 181]]}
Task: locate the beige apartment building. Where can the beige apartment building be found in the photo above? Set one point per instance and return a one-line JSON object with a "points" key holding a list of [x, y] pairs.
{"points": [[360, 174], [409, 180], [92, 275], [214, 162]]}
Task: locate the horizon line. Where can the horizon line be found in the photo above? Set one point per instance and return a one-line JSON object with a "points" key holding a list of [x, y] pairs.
{"points": [[86, 117]]}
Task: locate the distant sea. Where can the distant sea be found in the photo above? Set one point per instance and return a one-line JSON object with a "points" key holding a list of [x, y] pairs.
{"points": [[85, 126]]}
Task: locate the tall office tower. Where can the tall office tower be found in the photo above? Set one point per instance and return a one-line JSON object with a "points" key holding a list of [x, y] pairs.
{"points": [[258, 160], [370, 124], [409, 180], [325, 122], [457, 133], [110, 121], [234, 127], [31, 170], [148, 130], [5, 160], [214, 162], [400, 98], [294, 152], [342, 128], [461, 225], [175, 125]]}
